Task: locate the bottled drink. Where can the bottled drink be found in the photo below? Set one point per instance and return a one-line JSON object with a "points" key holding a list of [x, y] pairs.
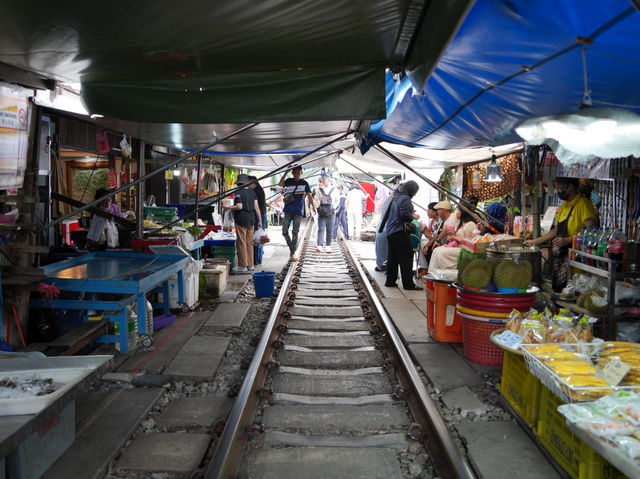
{"points": [[617, 242], [603, 244], [578, 243], [580, 239], [592, 245]]}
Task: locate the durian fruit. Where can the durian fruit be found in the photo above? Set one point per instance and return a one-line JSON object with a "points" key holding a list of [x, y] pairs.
{"points": [[477, 274], [463, 262], [511, 275], [595, 302]]}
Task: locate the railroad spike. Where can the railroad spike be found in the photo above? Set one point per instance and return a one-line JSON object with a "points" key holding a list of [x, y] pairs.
{"points": [[278, 344], [374, 330], [282, 328], [289, 303], [292, 296], [285, 315], [414, 432], [264, 393], [272, 365], [234, 389], [368, 315], [389, 364], [218, 427], [399, 392], [255, 431]]}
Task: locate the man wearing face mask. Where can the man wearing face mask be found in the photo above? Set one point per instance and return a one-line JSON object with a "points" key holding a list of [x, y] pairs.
{"points": [[575, 213]]}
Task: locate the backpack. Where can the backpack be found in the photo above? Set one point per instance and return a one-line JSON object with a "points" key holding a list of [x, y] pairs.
{"points": [[326, 204]]}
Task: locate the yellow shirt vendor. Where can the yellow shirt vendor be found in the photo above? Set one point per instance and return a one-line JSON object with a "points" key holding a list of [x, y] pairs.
{"points": [[575, 213]]}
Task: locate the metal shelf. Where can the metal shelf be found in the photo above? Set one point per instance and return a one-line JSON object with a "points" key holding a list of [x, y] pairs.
{"points": [[611, 275]]}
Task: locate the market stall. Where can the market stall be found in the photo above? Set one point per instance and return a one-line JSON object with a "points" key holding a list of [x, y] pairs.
{"points": [[129, 276]]}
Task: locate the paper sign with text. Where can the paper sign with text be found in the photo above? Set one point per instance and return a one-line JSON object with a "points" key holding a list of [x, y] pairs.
{"points": [[614, 372]]}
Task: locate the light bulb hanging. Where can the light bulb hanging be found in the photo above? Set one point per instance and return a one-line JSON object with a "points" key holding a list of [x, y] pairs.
{"points": [[494, 174]]}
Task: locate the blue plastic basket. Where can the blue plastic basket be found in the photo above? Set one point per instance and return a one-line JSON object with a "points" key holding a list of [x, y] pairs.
{"points": [[264, 283]]}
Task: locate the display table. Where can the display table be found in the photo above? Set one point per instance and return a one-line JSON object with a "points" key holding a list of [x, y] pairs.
{"points": [[36, 431], [145, 243], [129, 275], [624, 463]]}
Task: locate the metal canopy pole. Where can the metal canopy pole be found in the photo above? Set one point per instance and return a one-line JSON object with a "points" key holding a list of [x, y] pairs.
{"points": [[146, 177], [198, 188], [140, 195], [211, 199], [457, 199], [381, 182]]}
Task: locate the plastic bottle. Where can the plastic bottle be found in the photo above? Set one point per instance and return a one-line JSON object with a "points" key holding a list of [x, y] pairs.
{"points": [[592, 242], [617, 242], [580, 239], [603, 245]]}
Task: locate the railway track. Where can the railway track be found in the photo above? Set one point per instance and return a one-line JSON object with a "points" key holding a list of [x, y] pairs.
{"points": [[331, 390]]}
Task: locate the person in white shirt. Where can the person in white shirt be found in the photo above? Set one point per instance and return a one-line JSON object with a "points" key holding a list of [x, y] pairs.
{"points": [[446, 257], [354, 210], [327, 200]]}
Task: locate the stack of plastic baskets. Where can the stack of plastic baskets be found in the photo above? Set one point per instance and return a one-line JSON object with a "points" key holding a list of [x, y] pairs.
{"points": [[483, 313]]}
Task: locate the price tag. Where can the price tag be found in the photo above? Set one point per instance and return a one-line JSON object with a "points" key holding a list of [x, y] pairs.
{"points": [[614, 372], [168, 174], [509, 339]]}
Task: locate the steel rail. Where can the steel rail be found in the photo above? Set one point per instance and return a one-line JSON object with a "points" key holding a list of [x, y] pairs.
{"points": [[458, 464], [228, 454]]}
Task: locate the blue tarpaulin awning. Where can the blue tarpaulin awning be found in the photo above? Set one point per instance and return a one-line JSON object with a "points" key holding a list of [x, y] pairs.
{"points": [[511, 61]]}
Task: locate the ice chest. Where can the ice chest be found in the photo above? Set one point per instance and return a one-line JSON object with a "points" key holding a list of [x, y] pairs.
{"points": [[443, 324]]}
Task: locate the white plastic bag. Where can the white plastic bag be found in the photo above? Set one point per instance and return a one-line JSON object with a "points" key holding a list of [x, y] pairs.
{"points": [[112, 235], [228, 222], [257, 234]]}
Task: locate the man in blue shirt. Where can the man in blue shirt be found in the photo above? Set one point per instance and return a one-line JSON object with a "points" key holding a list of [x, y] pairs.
{"points": [[294, 191]]}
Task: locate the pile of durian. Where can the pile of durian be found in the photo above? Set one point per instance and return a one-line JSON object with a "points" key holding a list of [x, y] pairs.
{"points": [[491, 274], [593, 301]]}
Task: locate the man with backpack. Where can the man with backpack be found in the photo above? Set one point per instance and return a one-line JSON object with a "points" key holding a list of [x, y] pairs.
{"points": [[326, 202]]}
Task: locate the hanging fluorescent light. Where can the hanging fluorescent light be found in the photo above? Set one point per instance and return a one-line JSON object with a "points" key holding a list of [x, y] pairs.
{"points": [[493, 172], [176, 172], [587, 134]]}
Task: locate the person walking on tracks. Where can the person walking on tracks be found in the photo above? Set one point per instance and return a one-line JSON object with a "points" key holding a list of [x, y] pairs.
{"points": [[327, 201], [295, 190]]}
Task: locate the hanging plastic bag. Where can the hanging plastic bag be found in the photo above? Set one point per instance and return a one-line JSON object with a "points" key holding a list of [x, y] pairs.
{"points": [[228, 222], [259, 237], [112, 235], [125, 147]]}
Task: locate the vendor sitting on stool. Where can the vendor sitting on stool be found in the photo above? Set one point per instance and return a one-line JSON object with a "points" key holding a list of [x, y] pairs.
{"points": [[575, 213]]}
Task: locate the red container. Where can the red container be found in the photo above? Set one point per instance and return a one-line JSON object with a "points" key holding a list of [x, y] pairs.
{"points": [[495, 308], [443, 324], [477, 343]]}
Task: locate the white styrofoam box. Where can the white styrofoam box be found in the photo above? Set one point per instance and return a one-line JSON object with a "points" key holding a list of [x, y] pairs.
{"points": [[191, 275], [66, 377], [38, 452]]}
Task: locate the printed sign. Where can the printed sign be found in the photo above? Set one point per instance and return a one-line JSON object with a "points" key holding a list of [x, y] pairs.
{"points": [[509, 339], [614, 372]]}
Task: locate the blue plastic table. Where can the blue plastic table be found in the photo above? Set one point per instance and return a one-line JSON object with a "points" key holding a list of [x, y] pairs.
{"points": [[117, 273]]}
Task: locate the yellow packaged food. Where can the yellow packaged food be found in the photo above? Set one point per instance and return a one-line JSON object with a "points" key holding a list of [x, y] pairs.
{"points": [[585, 381], [568, 368], [545, 348], [563, 355]]}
